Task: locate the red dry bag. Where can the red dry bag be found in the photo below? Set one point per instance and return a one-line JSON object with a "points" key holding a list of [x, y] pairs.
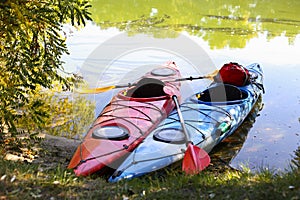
{"points": [[234, 74]]}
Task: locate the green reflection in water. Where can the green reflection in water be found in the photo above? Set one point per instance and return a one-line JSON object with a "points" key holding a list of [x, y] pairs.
{"points": [[222, 23], [296, 159]]}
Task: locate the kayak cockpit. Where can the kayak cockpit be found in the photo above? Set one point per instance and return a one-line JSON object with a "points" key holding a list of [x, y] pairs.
{"points": [[151, 88], [222, 94], [147, 88]]}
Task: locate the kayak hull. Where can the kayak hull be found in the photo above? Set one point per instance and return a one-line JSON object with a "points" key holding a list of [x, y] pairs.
{"points": [[207, 122], [123, 124]]}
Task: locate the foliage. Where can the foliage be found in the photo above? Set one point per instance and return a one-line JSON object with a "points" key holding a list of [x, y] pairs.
{"points": [[31, 45]]}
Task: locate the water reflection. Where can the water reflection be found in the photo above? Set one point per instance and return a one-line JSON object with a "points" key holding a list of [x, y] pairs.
{"points": [[296, 159], [229, 24]]}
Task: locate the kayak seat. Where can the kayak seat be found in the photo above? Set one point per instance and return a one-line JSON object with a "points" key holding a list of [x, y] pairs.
{"points": [[222, 93], [146, 88]]}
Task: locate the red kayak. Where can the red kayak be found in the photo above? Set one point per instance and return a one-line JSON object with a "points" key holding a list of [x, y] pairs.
{"points": [[127, 120]]}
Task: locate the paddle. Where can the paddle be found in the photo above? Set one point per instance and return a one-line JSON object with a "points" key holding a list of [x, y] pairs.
{"points": [[107, 88], [195, 159], [100, 89], [208, 76]]}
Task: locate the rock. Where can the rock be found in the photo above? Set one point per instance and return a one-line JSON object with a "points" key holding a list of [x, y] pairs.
{"points": [[56, 151], [13, 157]]}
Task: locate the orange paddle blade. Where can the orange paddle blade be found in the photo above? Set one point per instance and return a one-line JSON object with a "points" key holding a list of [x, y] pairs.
{"points": [[95, 90], [195, 160]]}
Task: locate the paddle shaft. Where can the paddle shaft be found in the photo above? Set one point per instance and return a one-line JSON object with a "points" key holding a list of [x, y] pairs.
{"points": [[176, 80], [187, 138], [107, 88], [191, 78], [195, 159]]}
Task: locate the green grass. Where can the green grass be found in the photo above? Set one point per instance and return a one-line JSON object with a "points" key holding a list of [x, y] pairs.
{"points": [[30, 181]]}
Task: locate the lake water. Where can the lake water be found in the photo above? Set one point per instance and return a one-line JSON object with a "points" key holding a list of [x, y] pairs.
{"points": [[127, 37]]}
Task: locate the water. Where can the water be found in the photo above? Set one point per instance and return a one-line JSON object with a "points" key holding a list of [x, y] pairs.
{"points": [[245, 32]]}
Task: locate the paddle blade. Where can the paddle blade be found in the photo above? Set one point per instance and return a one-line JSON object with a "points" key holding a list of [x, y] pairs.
{"points": [[195, 160], [213, 74], [95, 90]]}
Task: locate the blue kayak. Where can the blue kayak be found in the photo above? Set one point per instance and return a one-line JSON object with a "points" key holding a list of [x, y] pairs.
{"points": [[210, 116]]}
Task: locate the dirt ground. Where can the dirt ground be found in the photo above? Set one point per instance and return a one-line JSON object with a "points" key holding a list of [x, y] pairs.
{"points": [[56, 151]]}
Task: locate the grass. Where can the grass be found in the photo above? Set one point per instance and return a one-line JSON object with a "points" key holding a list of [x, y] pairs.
{"points": [[43, 180], [30, 181]]}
